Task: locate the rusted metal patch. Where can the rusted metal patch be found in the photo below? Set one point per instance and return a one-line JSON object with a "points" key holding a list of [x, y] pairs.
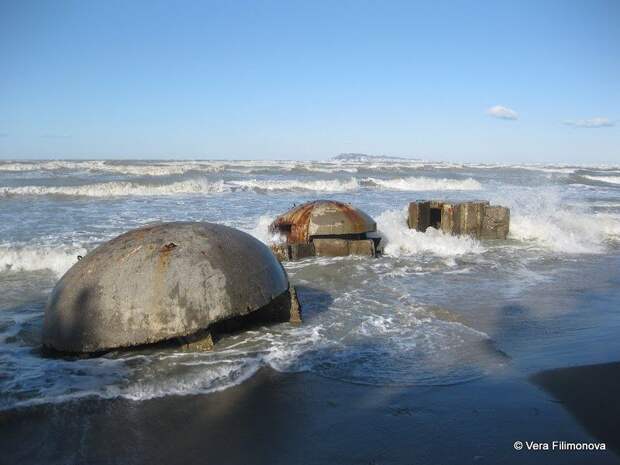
{"points": [[294, 223]]}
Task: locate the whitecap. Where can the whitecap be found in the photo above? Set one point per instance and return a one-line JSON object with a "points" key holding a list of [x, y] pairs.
{"points": [[398, 239], [30, 258], [421, 183]]}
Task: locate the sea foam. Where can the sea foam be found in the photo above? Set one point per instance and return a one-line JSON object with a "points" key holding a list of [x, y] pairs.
{"points": [[320, 185], [203, 186], [605, 179], [398, 239], [29, 258], [566, 231], [120, 188], [421, 183], [543, 218]]}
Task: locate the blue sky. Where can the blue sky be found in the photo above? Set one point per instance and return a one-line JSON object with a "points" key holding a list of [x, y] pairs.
{"points": [[499, 81]]}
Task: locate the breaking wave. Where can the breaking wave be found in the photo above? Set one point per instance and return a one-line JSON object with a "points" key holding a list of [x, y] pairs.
{"points": [[203, 186], [261, 231], [334, 185], [543, 218], [119, 188], [399, 240], [100, 166], [605, 179], [422, 183], [566, 231], [28, 258]]}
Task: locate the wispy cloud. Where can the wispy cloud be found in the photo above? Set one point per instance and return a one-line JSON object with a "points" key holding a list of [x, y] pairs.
{"points": [[501, 112], [598, 122]]}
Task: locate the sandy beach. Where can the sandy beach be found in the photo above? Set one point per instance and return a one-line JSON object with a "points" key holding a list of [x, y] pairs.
{"points": [[279, 418], [589, 394]]}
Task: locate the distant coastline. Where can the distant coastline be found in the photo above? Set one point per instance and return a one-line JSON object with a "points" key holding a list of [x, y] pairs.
{"points": [[363, 157]]}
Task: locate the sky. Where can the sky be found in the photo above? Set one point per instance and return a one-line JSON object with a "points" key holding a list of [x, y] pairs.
{"points": [[496, 81]]}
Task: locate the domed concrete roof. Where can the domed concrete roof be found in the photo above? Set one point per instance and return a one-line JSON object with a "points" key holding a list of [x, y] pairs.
{"points": [[159, 282], [322, 218]]}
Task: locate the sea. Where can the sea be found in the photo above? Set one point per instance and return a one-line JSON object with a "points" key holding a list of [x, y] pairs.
{"points": [[432, 310]]}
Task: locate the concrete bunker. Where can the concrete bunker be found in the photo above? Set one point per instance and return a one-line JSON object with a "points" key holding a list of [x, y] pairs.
{"points": [[324, 228], [182, 282], [477, 218]]}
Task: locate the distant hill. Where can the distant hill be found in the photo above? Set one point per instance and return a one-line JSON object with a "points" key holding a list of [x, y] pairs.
{"points": [[363, 157]]}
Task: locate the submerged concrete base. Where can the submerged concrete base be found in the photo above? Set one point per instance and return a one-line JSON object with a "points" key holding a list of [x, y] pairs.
{"points": [[283, 309], [344, 247], [285, 252], [326, 247], [477, 218], [200, 342]]}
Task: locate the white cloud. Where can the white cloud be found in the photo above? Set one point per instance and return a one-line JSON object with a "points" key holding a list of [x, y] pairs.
{"points": [[501, 112], [598, 122]]}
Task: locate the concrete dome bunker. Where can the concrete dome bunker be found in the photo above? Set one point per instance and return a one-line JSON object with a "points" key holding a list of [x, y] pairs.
{"points": [[181, 281], [324, 228]]}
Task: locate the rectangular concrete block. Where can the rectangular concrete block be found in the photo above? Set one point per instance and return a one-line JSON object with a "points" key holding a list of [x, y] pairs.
{"points": [[475, 218], [302, 250], [419, 215], [331, 247], [365, 247], [495, 222]]}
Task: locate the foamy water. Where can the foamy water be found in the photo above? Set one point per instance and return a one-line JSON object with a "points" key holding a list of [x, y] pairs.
{"points": [[605, 179], [427, 312]]}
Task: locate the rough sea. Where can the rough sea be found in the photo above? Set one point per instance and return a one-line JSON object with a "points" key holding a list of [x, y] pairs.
{"points": [[432, 310]]}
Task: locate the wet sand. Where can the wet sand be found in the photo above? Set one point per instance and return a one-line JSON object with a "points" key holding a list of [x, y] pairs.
{"points": [[590, 393], [277, 418]]}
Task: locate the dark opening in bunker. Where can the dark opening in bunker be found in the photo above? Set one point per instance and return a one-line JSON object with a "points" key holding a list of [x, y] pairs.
{"points": [[436, 218], [285, 228]]}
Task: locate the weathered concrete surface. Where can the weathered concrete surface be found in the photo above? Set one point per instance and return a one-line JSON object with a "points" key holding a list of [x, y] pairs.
{"points": [[324, 228], [160, 282], [495, 222], [450, 218], [364, 247], [322, 218], [299, 251], [475, 218], [343, 247], [284, 308], [471, 214], [284, 252], [419, 215]]}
